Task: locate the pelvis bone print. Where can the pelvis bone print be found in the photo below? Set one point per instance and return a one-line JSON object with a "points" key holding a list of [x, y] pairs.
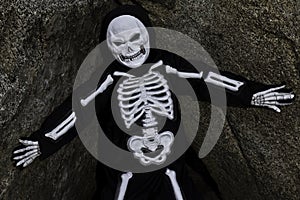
{"points": [[151, 148]]}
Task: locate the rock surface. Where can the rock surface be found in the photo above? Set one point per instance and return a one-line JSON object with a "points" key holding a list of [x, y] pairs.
{"points": [[43, 44]]}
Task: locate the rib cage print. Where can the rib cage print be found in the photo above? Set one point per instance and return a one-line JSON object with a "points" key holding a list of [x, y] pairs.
{"points": [[144, 96]]}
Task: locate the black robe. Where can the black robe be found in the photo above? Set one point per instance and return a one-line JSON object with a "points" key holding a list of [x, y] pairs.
{"points": [[151, 185]]}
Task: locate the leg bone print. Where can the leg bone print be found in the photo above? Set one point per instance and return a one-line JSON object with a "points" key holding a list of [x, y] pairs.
{"points": [[270, 98], [145, 96], [125, 179], [172, 176]]}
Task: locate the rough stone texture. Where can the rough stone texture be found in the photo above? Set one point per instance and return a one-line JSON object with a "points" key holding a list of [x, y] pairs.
{"points": [[257, 156], [42, 44]]}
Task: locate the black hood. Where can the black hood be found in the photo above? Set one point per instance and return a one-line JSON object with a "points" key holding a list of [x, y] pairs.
{"points": [[133, 10]]}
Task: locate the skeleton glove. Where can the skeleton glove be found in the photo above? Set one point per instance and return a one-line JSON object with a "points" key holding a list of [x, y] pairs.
{"points": [[273, 97], [26, 153]]}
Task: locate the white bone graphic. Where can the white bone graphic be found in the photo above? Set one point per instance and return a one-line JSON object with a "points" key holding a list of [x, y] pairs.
{"points": [[151, 141], [141, 98], [223, 81], [62, 128], [212, 78], [158, 64], [102, 87], [144, 95], [172, 175], [171, 70], [125, 179], [31, 150], [269, 98]]}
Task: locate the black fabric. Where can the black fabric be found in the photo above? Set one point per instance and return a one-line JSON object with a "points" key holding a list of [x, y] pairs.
{"points": [[146, 186], [47, 145], [143, 186], [154, 185]]}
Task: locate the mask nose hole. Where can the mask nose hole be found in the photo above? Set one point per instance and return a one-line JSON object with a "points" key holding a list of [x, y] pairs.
{"points": [[129, 49]]}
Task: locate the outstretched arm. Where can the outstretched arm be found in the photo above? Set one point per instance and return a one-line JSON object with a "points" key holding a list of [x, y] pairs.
{"points": [[246, 93], [56, 131], [239, 90]]}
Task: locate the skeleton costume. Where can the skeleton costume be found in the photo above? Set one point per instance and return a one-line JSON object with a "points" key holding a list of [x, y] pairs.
{"points": [[143, 97]]}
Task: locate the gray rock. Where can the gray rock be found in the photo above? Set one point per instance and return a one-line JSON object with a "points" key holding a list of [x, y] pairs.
{"points": [[43, 44]]}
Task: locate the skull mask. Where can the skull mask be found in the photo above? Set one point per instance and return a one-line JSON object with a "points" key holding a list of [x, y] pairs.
{"points": [[128, 40]]}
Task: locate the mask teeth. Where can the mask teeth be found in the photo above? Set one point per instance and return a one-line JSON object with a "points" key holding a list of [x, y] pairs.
{"points": [[122, 57], [135, 55], [143, 51]]}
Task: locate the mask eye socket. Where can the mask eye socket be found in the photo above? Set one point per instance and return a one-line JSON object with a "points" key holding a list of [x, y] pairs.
{"points": [[118, 43], [135, 37]]}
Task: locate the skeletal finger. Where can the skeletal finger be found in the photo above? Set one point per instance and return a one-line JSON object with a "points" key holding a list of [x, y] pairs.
{"points": [[26, 159], [26, 154], [28, 142], [279, 94], [277, 103], [22, 161], [280, 97], [29, 161], [274, 108], [26, 149], [269, 90]]}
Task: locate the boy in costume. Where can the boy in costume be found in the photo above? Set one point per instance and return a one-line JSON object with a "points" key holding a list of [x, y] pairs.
{"points": [[142, 99]]}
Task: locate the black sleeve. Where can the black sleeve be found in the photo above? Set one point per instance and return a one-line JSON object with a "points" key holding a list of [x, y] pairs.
{"points": [[47, 145], [240, 98]]}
